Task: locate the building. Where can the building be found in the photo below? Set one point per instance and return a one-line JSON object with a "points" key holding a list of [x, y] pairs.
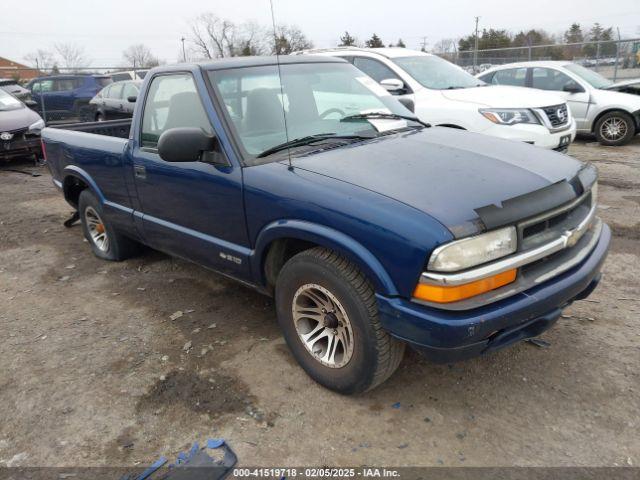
{"points": [[11, 69]]}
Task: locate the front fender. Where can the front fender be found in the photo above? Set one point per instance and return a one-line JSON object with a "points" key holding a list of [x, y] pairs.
{"points": [[326, 237]]}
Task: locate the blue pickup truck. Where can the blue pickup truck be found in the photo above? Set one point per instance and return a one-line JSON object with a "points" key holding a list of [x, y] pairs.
{"points": [[309, 182]]}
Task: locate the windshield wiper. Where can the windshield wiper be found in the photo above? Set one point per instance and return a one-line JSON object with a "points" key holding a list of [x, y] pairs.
{"points": [[383, 115], [299, 142]]}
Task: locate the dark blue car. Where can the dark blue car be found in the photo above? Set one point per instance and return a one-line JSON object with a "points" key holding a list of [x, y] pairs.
{"points": [[65, 97], [309, 182]]}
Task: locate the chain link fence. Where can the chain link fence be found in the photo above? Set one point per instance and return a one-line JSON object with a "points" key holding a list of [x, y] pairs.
{"points": [[63, 95], [615, 60]]}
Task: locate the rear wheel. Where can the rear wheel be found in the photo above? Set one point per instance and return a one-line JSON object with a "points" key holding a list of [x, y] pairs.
{"points": [[615, 128], [328, 313], [105, 241]]}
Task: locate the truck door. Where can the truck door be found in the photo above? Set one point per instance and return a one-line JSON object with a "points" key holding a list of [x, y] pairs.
{"points": [[189, 209]]}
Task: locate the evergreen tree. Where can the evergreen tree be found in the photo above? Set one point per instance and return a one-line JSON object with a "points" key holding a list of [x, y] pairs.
{"points": [[347, 40], [400, 44], [374, 42]]}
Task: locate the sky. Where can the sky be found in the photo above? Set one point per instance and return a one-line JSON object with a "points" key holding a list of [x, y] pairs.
{"points": [[106, 28]]}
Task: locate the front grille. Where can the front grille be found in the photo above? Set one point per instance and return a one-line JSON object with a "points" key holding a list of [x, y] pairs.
{"points": [[558, 115], [547, 227]]}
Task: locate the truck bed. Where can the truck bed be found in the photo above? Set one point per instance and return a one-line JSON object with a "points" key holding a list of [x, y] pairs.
{"points": [[111, 128]]}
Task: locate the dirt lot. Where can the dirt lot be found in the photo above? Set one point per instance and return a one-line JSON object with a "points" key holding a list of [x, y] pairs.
{"points": [[94, 371]]}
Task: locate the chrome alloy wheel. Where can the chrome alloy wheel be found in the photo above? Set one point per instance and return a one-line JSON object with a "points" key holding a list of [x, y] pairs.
{"points": [[323, 325], [613, 128], [96, 228]]}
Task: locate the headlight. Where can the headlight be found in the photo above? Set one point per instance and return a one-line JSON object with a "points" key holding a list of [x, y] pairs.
{"points": [[36, 127], [472, 251], [509, 116]]}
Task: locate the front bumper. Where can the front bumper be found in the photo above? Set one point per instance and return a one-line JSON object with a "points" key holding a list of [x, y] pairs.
{"points": [[537, 135], [447, 336], [20, 146]]}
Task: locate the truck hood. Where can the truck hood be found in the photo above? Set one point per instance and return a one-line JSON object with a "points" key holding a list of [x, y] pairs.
{"points": [[500, 96], [11, 120], [443, 172]]}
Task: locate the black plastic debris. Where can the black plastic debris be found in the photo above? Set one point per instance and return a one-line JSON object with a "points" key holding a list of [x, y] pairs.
{"points": [[196, 464], [538, 342], [72, 219]]}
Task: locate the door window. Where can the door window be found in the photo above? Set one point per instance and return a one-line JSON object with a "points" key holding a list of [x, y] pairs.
{"points": [[129, 91], [43, 86], [64, 85], [172, 102], [115, 91], [516, 77], [550, 79], [375, 69]]}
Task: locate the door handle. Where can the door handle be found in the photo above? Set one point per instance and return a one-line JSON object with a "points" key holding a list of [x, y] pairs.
{"points": [[140, 171]]}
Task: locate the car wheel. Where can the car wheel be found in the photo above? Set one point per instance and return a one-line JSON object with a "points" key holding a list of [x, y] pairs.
{"points": [[105, 241], [328, 312], [615, 128]]}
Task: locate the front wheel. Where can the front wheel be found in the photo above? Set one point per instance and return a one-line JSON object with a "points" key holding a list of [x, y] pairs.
{"points": [[329, 316], [615, 128]]}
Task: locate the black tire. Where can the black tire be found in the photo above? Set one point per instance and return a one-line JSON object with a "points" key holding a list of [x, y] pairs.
{"points": [[118, 247], [375, 354], [621, 118]]}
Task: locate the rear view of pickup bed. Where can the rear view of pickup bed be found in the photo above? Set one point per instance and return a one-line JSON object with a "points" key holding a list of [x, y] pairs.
{"points": [[371, 230]]}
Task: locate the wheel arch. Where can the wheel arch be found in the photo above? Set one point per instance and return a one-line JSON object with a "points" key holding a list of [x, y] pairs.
{"points": [[597, 118], [75, 181], [281, 240]]}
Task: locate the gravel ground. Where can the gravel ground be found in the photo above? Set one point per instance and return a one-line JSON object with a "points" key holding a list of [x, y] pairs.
{"points": [[96, 373]]}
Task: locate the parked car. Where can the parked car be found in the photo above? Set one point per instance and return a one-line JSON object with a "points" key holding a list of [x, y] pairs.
{"points": [[11, 86], [612, 116], [128, 75], [65, 97], [116, 100], [307, 181], [19, 128], [444, 94]]}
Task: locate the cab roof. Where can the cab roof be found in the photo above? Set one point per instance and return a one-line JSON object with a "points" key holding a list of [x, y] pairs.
{"points": [[241, 62]]}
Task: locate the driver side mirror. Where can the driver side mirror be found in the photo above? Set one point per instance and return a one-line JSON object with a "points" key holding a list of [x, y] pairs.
{"points": [[393, 85], [185, 144], [31, 104], [572, 87]]}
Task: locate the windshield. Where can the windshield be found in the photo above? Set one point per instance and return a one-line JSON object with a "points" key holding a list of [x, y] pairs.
{"points": [[592, 78], [9, 102], [313, 100], [436, 73]]}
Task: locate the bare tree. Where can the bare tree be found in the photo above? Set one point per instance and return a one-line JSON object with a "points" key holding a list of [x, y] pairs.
{"points": [[214, 37], [447, 48], [288, 39], [140, 56], [72, 56], [42, 59]]}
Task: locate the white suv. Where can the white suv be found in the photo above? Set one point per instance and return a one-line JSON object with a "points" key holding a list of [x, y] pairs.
{"points": [[613, 117], [443, 94]]}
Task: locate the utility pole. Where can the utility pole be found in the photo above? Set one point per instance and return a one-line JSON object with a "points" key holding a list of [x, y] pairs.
{"points": [[475, 50], [184, 52], [424, 44]]}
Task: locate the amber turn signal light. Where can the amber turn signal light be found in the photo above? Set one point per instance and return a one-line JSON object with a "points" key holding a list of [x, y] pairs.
{"points": [[448, 294]]}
